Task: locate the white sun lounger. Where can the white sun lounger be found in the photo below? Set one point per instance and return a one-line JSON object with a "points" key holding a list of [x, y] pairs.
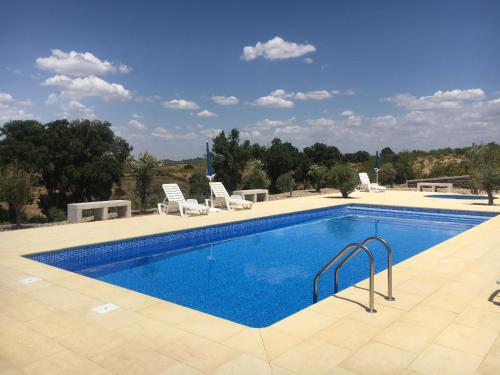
{"points": [[176, 201], [222, 197], [366, 185]]}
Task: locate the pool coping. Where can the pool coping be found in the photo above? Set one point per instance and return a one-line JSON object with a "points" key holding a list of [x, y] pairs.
{"points": [[277, 351]]}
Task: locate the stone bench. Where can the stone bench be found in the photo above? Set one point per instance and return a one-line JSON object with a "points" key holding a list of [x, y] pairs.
{"points": [[100, 209], [254, 194], [434, 185]]}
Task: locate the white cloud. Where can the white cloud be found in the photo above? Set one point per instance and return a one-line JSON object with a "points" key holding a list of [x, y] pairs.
{"points": [[210, 132], [313, 95], [195, 136], [78, 64], [268, 124], [181, 104], [274, 100], [347, 113], [11, 112], [206, 113], [148, 99], [308, 60], [70, 108], [6, 98], [136, 124], [386, 121], [9, 108], [75, 109], [276, 49], [26, 102], [322, 121], [162, 133], [281, 99], [13, 70], [225, 100], [136, 116], [439, 100], [87, 86]]}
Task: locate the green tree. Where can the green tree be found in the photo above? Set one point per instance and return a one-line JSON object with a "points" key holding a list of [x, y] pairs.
{"points": [[198, 185], [286, 182], [387, 154], [16, 189], [483, 163], [317, 174], [403, 163], [143, 170], [321, 154], [357, 157], [230, 158], [77, 161], [342, 177], [22, 143], [280, 158], [254, 176], [387, 174]]}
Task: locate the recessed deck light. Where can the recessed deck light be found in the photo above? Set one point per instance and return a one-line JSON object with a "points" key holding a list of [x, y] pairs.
{"points": [[103, 309], [30, 280]]}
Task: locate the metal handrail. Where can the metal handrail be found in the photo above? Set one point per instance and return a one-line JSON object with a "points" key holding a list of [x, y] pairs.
{"points": [[389, 296], [327, 266]]}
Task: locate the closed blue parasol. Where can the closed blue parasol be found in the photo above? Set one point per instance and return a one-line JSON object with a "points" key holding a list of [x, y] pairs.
{"points": [[377, 164], [210, 176], [210, 171]]}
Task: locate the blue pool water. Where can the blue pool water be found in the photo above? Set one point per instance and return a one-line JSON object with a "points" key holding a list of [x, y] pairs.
{"points": [[259, 271], [457, 196]]}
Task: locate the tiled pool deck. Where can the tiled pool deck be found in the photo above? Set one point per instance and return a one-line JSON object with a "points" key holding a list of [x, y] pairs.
{"points": [[441, 322]]}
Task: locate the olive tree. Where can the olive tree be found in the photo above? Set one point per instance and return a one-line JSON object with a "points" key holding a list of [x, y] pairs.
{"points": [[254, 176], [16, 189], [317, 174], [143, 171], [483, 163], [286, 182], [343, 177]]}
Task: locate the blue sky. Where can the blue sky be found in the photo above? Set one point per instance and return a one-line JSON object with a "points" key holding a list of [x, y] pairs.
{"points": [[355, 74]]}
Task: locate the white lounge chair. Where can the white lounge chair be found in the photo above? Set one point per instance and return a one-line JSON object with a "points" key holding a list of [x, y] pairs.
{"points": [[222, 197], [366, 185], [176, 201]]}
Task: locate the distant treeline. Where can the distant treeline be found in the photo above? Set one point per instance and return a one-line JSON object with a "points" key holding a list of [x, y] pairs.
{"points": [[231, 157]]}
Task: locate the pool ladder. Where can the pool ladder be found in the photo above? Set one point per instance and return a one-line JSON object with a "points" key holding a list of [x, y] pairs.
{"points": [[351, 250]]}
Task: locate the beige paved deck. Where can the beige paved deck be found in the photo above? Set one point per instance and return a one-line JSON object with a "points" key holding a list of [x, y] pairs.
{"points": [[441, 322]]}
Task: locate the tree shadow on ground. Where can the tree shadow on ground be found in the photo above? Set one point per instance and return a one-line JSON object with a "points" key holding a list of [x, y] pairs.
{"points": [[340, 197]]}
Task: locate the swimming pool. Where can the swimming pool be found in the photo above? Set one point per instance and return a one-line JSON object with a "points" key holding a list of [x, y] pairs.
{"points": [[257, 272]]}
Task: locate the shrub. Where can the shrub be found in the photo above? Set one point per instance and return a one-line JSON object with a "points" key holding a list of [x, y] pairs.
{"points": [[153, 197], [317, 174], [198, 186], [16, 189], [254, 176], [4, 215], [55, 214], [342, 177], [143, 170], [286, 182], [39, 219]]}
